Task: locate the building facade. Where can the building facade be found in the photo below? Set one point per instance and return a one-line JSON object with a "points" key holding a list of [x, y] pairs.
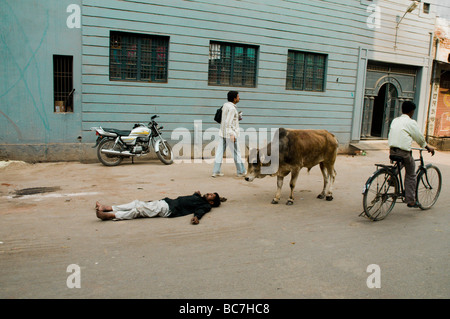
{"points": [[438, 129], [345, 66]]}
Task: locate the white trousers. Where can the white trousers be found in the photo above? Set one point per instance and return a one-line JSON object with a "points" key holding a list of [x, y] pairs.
{"points": [[137, 209]]}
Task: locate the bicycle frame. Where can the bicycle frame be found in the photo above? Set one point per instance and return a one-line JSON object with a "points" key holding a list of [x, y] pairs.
{"points": [[397, 170], [428, 184]]}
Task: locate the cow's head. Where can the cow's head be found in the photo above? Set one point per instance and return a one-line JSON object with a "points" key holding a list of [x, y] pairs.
{"points": [[260, 165], [254, 166]]}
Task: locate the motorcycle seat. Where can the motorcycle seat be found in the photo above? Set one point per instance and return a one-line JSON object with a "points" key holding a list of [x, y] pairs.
{"points": [[118, 132]]}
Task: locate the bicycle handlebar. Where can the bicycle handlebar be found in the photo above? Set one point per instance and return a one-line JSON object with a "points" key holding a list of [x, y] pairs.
{"points": [[423, 149]]}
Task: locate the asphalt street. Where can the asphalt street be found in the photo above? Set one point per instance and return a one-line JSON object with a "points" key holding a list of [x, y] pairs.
{"points": [[53, 246]]}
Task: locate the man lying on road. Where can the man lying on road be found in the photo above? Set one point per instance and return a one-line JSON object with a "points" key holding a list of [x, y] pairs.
{"points": [[181, 206]]}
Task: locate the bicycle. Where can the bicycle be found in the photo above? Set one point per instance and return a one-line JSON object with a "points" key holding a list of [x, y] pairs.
{"points": [[385, 186]]}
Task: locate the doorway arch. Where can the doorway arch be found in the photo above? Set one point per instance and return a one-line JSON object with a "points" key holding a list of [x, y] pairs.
{"points": [[387, 87]]}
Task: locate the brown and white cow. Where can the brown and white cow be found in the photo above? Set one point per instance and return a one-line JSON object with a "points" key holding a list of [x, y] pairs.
{"points": [[296, 149]]}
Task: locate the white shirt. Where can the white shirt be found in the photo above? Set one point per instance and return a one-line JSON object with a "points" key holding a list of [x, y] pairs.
{"points": [[230, 121], [403, 131]]}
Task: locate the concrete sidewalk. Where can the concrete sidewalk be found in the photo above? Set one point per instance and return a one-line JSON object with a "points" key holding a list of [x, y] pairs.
{"points": [[247, 248]]}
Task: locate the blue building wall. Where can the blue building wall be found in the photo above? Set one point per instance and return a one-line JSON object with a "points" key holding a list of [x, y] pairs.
{"points": [[337, 28], [31, 32]]}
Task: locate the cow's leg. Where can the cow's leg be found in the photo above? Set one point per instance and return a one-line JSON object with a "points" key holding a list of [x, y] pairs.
{"points": [[279, 186], [294, 176], [332, 177], [325, 181], [280, 178]]}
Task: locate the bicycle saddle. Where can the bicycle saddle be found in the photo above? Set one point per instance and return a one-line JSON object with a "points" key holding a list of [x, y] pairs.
{"points": [[396, 158]]}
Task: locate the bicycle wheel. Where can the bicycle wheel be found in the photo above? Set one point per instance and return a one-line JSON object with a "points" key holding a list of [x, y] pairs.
{"points": [[428, 188], [380, 194]]}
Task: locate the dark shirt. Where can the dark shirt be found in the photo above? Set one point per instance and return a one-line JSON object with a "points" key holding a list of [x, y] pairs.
{"points": [[185, 205]]}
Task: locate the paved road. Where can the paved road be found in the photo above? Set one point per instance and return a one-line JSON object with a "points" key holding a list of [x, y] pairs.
{"points": [[247, 248]]}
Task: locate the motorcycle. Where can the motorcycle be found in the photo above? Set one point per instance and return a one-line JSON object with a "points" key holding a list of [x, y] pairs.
{"points": [[114, 145]]}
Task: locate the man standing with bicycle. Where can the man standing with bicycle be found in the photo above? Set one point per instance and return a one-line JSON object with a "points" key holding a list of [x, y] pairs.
{"points": [[402, 132]]}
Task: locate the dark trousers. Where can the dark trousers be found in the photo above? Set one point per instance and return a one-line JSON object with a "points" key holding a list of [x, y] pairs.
{"points": [[410, 173]]}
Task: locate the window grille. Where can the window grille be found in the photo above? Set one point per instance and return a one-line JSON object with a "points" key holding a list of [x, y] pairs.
{"points": [[63, 83], [137, 57], [232, 64], [391, 68], [306, 71]]}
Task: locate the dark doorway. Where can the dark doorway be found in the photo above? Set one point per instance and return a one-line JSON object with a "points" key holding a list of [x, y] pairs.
{"points": [[384, 110], [378, 112]]}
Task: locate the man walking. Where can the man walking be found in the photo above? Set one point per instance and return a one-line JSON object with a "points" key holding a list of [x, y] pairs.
{"points": [[402, 132], [229, 133]]}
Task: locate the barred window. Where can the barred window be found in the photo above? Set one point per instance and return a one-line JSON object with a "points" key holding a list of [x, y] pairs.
{"points": [[232, 64], [306, 71], [63, 83], [138, 57]]}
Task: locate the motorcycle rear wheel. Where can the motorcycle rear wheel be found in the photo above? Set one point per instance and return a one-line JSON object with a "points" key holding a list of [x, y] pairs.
{"points": [[106, 159]]}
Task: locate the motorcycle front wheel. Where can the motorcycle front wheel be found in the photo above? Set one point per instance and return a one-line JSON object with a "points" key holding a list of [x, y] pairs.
{"points": [[165, 153], [107, 159]]}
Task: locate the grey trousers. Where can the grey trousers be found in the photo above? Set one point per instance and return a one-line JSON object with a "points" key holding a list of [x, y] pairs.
{"points": [[410, 173]]}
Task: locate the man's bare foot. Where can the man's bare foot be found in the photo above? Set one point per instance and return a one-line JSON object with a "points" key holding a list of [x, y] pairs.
{"points": [[102, 208], [104, 215], [102, 211]]}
